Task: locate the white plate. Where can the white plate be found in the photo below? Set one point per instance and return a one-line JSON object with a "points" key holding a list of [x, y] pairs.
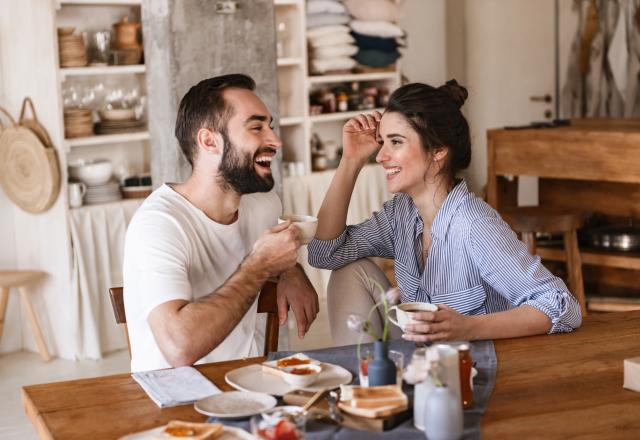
{"points": [[235, 404], [228, 433], [253, 378]]}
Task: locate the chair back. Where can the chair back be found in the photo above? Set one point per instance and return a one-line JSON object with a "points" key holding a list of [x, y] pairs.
{"points": [[267, 303]]}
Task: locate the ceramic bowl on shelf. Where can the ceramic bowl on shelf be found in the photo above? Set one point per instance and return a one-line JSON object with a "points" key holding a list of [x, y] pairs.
{"points": [[66, 31], [117, 114], [92, 172]]}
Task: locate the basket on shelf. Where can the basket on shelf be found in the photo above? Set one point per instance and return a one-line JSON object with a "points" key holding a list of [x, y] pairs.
{"points": [[72, 50], [78, 122]]}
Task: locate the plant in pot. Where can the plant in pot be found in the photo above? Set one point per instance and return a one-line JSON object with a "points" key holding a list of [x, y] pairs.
{"points": [[381, 369]]}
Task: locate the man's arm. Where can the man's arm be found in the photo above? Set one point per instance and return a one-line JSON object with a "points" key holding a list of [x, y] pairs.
{"points": [[186, 331], [295, 289]]}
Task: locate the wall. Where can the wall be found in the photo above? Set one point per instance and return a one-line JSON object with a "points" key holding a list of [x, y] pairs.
{"points": [[424, 59], [28, 68], [191, 42]]}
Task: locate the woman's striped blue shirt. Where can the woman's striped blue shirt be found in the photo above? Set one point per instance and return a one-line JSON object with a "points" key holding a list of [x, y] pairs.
{"points": [[476, 264]]}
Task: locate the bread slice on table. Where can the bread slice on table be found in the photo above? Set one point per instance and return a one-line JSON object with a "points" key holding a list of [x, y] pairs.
{"points": [[188, 430]]}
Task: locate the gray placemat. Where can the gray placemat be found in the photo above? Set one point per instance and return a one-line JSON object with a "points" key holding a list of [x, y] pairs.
{"points": [[484, 358]]}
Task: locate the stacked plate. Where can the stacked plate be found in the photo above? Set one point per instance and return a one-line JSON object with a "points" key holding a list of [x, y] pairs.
{"points": [[107, 126], [109, 192]]}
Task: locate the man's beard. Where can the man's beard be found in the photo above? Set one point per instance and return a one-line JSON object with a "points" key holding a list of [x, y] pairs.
{"points": [[238, 171]]}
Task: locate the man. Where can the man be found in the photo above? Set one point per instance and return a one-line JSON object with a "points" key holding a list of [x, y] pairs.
{"points": [[197, 253]]}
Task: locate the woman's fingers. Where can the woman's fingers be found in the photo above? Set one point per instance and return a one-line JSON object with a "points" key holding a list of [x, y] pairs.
{"points": [[431, 337], [423, 316]]}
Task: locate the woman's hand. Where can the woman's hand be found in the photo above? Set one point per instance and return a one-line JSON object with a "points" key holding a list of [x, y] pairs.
{"points": [[360, 137], [445, 324]]}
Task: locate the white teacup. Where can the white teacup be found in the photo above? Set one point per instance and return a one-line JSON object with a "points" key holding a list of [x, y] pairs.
{"points": [[306, 223], [403, 310]]}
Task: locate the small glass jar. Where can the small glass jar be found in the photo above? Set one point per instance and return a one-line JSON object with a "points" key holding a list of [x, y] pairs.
{"points": [[280, 422]]}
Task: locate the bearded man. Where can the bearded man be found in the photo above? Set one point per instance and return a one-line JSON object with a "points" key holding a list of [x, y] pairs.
{"points": [[198, 252]]}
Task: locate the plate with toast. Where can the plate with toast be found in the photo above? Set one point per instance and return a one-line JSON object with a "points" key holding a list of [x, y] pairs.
{"points": [[296, 372], [176, 429]]}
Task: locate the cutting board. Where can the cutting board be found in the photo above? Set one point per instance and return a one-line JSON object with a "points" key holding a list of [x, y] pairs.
{"points": [[321, 408]]}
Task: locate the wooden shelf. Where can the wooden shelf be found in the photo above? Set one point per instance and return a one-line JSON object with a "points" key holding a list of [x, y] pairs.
{"points": [[101, 70], [100, 2], [340, 116], [291, 120], [376, 76], [286, 2], [618, 260], [287, 62], [108, 139]]}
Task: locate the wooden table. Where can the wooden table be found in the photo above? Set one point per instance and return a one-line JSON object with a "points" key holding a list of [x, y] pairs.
{"points": [[560, 386]]}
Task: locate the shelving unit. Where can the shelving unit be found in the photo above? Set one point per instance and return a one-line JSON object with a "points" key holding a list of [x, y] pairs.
{"points": [[295, 85], [130, 150]]}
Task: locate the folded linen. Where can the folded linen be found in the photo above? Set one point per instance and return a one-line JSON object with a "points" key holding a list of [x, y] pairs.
{"points": [[331, 40], [376, 58], [376, 43], [374, 10], [328, 30], [175, 386], [325, 6], [338, 50], [382, 29], [315, 20], [319, 66]]}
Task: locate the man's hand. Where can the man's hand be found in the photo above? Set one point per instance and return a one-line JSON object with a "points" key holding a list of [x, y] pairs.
{"points": [[277, 249], [445, 324], [295, 289]]}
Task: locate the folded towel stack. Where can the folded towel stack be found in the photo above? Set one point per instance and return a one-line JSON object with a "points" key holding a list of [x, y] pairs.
{"points": [[330, 43], [375, 32]]}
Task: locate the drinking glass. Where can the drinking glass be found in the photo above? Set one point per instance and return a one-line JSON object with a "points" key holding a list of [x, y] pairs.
{"points": [[398, 359], [281, 422], [366, 354]]}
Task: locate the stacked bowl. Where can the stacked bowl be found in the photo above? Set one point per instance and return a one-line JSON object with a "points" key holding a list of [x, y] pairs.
{"points": [[96, 174]]}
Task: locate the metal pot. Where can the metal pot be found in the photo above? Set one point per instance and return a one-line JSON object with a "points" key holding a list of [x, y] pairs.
{"points": [[615, 238]]}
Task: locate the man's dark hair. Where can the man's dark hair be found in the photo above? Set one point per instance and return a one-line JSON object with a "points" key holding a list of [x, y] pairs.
{"points": [[203, 106]]}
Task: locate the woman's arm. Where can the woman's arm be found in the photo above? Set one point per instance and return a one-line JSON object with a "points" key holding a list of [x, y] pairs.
{"points": [[448, 325], [358, 142]]}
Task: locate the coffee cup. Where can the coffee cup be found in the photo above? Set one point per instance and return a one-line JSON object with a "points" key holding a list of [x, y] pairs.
{"points": [[76, 193], [404, 310], [307, 225]]}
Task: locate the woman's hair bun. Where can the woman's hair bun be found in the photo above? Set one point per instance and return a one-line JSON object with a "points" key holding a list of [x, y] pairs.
{"points": [[455, 91]]}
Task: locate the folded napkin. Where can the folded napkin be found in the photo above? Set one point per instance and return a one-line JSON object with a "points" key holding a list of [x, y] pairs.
{"points": [[176, 386]]}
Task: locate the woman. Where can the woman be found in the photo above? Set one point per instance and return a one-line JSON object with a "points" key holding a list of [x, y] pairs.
{"points": [[450, 247]]}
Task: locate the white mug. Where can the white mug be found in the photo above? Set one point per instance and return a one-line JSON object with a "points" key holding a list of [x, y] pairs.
{"points": [[403, 310], [306, 223], [76, 193]]}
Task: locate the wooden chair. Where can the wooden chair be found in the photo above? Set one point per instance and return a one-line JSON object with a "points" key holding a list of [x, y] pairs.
{"points": [[267, 303], [531, 219], [20, 279]]}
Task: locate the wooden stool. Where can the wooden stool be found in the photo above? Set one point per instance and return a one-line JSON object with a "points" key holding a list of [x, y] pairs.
{"points": [[531, 219], [21, 279]]}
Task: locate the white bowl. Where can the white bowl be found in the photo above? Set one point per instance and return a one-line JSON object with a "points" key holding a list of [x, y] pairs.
{"points": [[301, 380], [117, 114], [92, 172], [306, 223]]}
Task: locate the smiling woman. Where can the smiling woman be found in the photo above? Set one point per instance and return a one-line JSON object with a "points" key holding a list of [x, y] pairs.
{"points": [[450, 248]]}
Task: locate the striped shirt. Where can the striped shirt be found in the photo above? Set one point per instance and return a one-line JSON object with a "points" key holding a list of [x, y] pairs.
{"points": [[476, 264]]}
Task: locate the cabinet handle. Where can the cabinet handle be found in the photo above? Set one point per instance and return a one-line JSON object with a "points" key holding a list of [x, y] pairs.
{"points": [[541, 98]]}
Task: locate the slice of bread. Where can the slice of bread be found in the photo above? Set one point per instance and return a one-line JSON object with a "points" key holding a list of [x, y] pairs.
{"points": [[177, 429], [372, 397]]}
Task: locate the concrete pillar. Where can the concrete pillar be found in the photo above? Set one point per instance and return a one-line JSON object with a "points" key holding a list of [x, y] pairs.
{"points": [[187, 41]]}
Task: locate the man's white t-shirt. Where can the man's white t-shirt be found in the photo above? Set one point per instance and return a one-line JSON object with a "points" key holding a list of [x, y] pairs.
{"points": [[174, 251]]}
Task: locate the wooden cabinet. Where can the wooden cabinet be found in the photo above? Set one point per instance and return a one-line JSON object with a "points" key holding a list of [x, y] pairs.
{"points": [[592, 165]]}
